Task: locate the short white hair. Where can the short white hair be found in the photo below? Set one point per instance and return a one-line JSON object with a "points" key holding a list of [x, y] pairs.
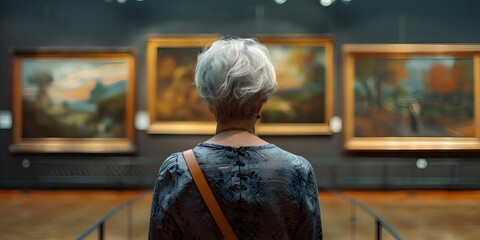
{"points": [[233, 76]]}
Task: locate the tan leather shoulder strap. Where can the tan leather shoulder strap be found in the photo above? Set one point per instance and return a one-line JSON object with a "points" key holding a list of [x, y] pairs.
{"points": [[208, 196]]}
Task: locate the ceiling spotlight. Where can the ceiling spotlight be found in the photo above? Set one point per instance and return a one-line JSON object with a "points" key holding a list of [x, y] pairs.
{"points": [[326, 3], [280, 1], [121, 1]]}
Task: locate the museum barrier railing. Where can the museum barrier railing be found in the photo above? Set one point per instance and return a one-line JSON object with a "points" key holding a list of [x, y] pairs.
{"points": [[364, 223], [122, 217]]}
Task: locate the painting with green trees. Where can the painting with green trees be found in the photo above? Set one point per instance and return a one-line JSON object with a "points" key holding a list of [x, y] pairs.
{"points": [[300, 96], [73, 97], [415, 96]]}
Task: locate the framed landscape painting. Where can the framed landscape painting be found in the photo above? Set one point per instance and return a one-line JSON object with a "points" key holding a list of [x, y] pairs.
{"points": [[303, 102], [412, 97], [72, 100], [174, 105]]}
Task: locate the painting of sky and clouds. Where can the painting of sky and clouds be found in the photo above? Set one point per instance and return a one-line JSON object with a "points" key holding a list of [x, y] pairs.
{"points": [[73, 98]]}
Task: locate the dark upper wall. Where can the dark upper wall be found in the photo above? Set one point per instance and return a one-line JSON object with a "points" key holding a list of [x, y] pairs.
{"points": [[52, 23]]}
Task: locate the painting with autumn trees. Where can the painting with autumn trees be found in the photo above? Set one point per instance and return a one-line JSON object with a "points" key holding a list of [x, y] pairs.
{"points": [[174, 106], [176, 96], [414, 96]]}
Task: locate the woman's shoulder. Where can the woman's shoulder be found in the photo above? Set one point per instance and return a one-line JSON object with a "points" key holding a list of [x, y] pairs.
{"points": [[170, 160], [295, 158], [172, 164]]}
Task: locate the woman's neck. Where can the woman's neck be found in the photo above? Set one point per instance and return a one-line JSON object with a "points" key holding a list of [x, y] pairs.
{"points": [[237, 134], [246, 126]]}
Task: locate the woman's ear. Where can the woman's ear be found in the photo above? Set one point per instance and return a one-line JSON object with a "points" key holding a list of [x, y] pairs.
{"points": [[259, 108]]}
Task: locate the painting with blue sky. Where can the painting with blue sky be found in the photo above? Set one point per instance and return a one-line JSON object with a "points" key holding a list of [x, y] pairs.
{"points": [[74, 97]]}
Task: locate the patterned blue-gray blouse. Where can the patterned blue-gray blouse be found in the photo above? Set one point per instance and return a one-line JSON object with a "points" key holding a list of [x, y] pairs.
{"points": [[264, 191]]}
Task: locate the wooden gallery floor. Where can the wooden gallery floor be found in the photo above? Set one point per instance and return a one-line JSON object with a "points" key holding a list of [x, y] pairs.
{"points": [[65, 214]]}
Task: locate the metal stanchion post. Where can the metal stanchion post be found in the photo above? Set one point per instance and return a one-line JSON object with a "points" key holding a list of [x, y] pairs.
{"points": [[378, 228], [100, 232]]}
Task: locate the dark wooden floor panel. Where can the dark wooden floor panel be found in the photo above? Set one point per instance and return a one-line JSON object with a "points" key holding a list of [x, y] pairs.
{"points": [[55, 214], [64, 214]]}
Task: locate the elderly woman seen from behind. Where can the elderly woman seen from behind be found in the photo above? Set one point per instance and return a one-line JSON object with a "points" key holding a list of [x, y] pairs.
{"points": [[264, 191]]}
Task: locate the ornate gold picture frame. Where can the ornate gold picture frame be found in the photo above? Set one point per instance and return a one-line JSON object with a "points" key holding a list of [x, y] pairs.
{"points": [[174, 105], [412, 97], [302, 106], [73, 100]]}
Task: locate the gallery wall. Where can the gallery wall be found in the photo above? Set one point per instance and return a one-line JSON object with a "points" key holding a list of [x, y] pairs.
{"points": [[107, 23]]}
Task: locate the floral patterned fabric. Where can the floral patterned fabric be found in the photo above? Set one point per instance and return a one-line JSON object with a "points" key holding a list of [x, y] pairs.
{"points": [[265, 193]]}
